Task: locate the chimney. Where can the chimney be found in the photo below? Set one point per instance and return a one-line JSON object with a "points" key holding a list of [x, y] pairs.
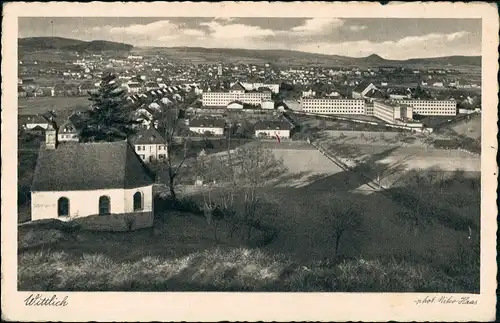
{"points": [[50, 137]]}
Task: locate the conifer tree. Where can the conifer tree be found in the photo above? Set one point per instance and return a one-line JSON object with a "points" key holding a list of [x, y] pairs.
{"points": [[110, 115]]}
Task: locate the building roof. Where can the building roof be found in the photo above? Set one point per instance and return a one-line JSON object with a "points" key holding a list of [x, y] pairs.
{"points": [[90, 166], [375, 94], [36, 119], [361, 86], [207, 123], [237, 87], [149, 136], [272, 125], [68, 127]]}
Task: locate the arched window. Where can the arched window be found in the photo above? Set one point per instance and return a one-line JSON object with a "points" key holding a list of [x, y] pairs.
{"points": [[137, 201], [104, 205], [63, 207]]}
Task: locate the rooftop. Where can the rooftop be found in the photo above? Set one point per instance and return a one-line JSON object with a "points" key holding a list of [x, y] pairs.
{"points": [[90, 166], [149, 136], [272, 125], [207, 122]]}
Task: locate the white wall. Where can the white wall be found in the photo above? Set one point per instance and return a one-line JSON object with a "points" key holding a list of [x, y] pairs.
{"points": [[268, 105], [62, 137], [216, 131], [85, 203], [147, 151]]}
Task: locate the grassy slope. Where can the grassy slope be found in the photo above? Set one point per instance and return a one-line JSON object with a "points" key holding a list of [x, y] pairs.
{"points": [[227, 269]]}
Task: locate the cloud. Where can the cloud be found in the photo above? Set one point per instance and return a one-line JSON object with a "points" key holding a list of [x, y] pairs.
{"points": [[147, 30], [193, 32], [236, 31], [414, 40], [224, 19], [429, 45], [457, 35], [357, 27], [317, 26]]}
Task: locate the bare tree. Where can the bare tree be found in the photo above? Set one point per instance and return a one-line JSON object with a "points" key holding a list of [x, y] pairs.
{"points": [[255, 166], [177, 153], [344, 217], [238, 173]]}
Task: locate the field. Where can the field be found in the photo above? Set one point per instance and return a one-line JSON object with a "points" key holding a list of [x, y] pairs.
{"points": [[471, 128], [415, 153], [305, 230], [182, 253], [43, 104]]}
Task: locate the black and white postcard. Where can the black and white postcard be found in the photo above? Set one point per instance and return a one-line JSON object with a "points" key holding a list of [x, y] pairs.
{"points": [[242, 161]]}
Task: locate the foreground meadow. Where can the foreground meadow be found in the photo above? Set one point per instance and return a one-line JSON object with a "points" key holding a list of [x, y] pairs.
{"points": [[402, 241]]}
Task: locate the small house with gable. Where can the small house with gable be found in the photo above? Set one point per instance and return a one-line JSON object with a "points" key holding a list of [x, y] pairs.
{"points": [[102, 185]]}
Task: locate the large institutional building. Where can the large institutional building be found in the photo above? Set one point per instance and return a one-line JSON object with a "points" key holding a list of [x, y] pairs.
{"points": [[392, 112], [432, 107], [236, 93], [333, 106]]}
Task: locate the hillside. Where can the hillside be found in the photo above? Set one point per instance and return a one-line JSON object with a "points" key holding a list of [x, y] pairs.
{"points": [[289, 57], [63, 44], [237, 55], [43, 43]]}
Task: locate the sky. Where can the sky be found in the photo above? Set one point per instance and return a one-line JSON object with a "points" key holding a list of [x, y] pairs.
{"points": [[391, 38]]}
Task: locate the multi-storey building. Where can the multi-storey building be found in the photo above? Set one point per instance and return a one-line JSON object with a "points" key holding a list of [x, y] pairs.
{"points": [[333, 106], [432, 107], [236, 93], [150, 145], [392, 112]]}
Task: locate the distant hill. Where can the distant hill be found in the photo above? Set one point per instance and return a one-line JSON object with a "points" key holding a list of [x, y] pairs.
{"points": [[453, 60], [232, 55], [289, 57], [59, 43]]}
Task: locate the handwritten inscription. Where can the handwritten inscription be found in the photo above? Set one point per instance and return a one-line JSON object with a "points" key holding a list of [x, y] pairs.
{"points": [[464, 300], [39, 300]]}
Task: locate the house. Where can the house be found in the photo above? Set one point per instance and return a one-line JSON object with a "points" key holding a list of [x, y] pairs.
{"points": [[362, 89], [273, 128], [151, 86], [21, 92], [68, 132], [149, 145], [39, 131], [308, 93], [134, 87], [101, 185], [237, 88], [267, 105], [36, 120], [202, 125], [144, 115]]}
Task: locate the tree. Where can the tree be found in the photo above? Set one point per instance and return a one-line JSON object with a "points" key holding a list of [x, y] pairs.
{"points": [[344, 217], [177, 153], [238, 173], [110, 116], [255, 166]]}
